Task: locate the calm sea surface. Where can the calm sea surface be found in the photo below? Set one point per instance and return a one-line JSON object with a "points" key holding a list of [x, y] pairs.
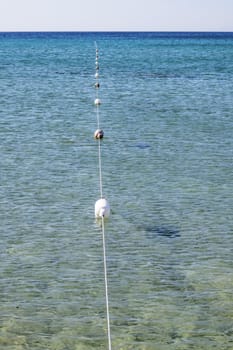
{"points": [[167, 114]]}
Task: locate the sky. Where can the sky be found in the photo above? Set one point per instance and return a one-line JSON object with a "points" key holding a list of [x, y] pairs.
{"points": [[116, 15]]}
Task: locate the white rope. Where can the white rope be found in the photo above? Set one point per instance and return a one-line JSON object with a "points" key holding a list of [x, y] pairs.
{"points": [[101, 196], [99, 152], [106, 287], [100, 170], [98, 126]]}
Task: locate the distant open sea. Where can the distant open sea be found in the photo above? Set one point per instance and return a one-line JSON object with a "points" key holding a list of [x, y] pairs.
{"points": [[167, 114]]}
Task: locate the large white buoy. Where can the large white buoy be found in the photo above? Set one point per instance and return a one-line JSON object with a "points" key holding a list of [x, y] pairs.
{"points": [[102, 208]]}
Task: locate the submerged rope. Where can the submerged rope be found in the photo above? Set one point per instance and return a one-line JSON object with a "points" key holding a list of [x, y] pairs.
{"points": [[97, 103]]}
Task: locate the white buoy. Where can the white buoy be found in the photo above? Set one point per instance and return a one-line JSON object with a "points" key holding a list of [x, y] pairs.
{"points": [[96, 75], [99, 134], [102, 208], [97, 102]]}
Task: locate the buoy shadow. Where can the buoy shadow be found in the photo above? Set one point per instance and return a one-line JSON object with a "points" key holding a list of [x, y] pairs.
{"points": [[99, 222]]}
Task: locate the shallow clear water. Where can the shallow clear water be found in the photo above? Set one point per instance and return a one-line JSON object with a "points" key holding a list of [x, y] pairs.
{"points": [[167, 106]]}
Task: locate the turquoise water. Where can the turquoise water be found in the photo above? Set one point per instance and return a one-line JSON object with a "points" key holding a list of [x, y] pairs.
{"points": [[167, 106]]}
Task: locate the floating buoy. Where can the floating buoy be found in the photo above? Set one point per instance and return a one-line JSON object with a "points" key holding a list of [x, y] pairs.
{"points": [[99, 134], [97, 85], [96, 75], [97, 102], [102, 208]]}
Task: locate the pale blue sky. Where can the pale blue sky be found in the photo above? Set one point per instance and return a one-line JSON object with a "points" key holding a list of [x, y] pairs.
{"points": [[122, 15]]}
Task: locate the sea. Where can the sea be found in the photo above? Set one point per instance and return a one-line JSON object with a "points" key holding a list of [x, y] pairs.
{"points": [[167, 115]]}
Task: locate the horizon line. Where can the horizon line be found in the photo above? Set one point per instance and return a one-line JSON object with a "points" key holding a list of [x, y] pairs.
{"points": [[115, 31]]}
